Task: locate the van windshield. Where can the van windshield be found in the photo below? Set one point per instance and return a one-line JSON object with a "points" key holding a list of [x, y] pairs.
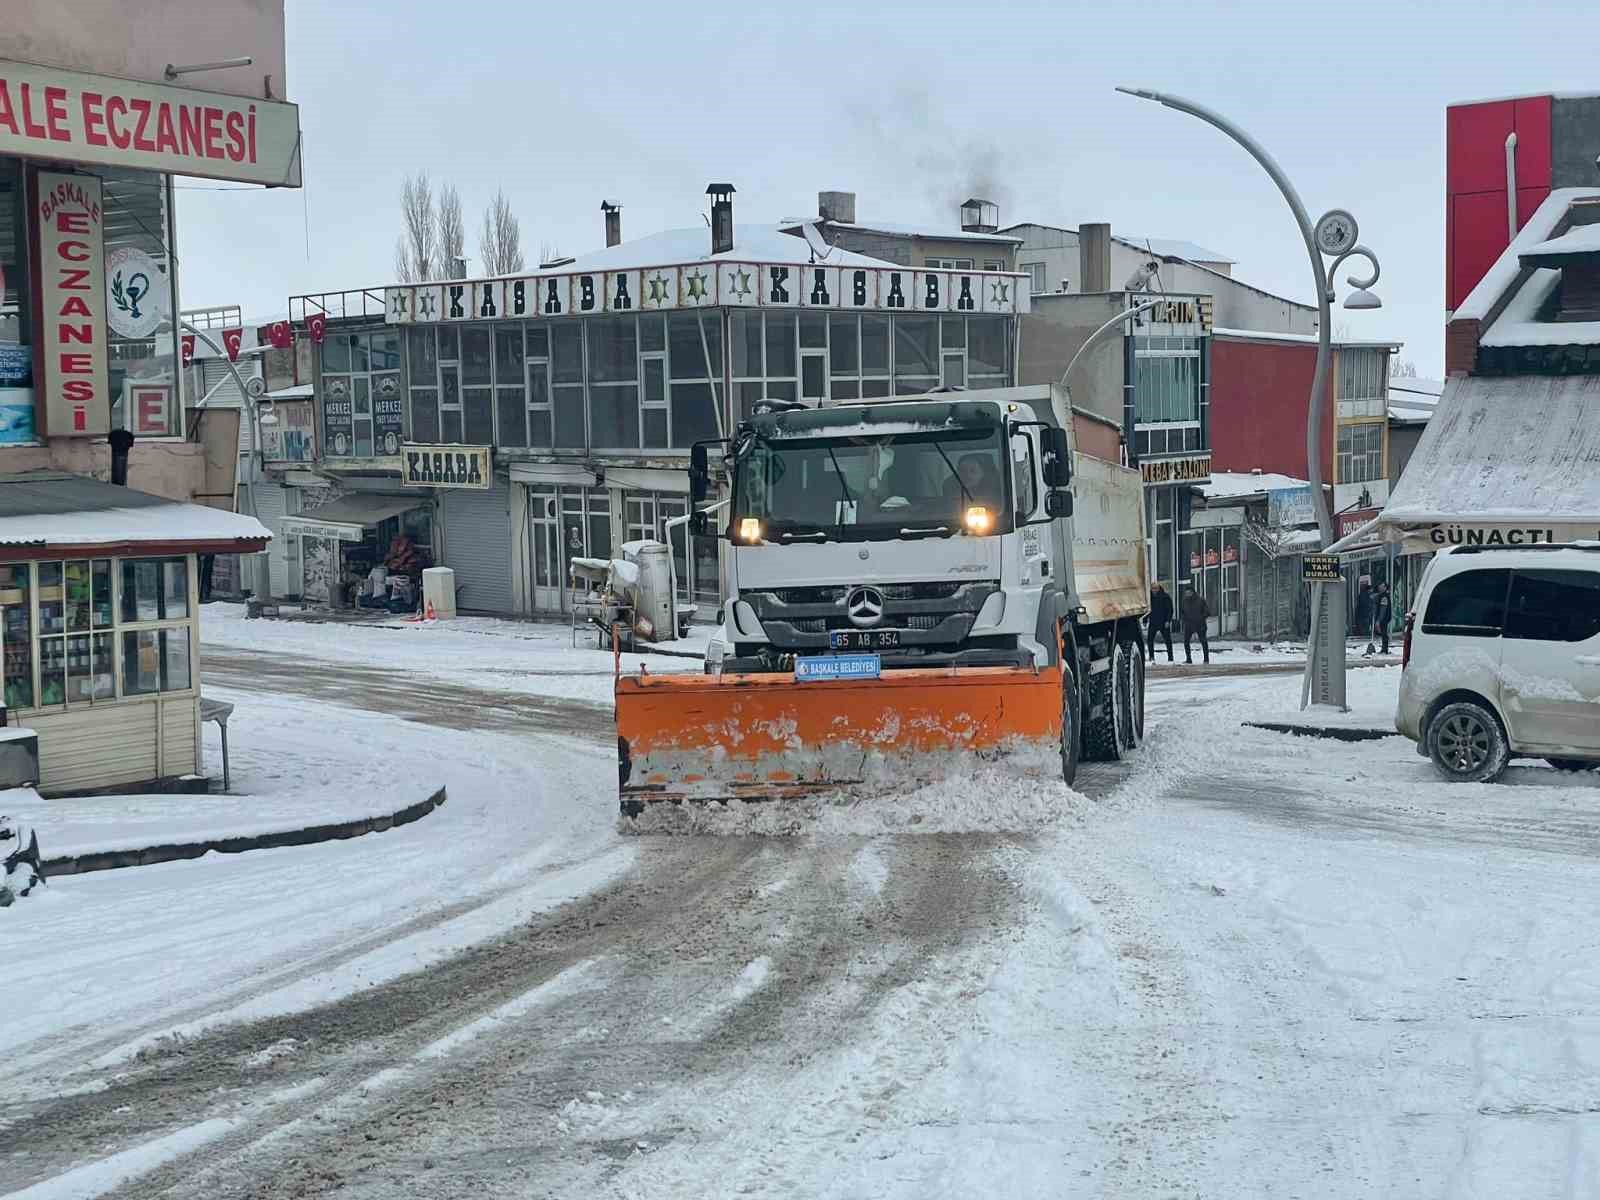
{"points": [[885, 486]]}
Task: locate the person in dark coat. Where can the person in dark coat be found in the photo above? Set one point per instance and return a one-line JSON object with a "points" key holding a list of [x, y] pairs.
{"points": [[1383, 614], [1364, 611], [1160, 619], [1194, 610]]}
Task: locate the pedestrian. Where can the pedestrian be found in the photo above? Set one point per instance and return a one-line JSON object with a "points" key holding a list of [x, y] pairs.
{"points": [[1383, 614], [1194, 610], [1160, 619], [1364, 611]]}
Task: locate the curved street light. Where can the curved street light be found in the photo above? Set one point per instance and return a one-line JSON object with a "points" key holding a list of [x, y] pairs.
{"points": [[1333, 236]]}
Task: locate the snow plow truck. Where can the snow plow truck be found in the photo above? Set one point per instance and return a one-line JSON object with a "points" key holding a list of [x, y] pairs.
{"points": [[913, 581]]}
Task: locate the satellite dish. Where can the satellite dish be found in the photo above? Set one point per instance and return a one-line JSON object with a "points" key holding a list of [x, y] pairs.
{"points": [[814, 239], [255, 387]]}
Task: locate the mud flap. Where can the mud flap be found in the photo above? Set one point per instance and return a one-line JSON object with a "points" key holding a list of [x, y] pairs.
{"points": [[766, 737]]}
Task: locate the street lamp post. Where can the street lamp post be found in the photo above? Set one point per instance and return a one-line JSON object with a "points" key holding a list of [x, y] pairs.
{"points": [[1332, 237]]}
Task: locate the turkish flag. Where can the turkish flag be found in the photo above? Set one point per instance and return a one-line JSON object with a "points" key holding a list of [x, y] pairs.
{"points": [[281, 335], [188, 349], [230, 342], [317, 326]]}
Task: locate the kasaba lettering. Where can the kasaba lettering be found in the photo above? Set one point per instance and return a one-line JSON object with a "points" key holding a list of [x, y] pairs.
{"points": [[442, 466]]}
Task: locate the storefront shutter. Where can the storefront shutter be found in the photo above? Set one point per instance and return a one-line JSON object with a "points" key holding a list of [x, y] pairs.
{"points": [[477, 546], [271, 507]]}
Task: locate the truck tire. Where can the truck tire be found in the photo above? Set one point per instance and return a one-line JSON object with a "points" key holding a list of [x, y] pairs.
{"points": [[1071, 718], [1132, 700], [1102, 719]]}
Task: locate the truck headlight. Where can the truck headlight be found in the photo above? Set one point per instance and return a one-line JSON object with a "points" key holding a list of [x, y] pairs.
{"points": [[979, 520], [750, 530]]}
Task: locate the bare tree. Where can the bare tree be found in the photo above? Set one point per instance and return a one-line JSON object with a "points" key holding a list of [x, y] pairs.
{"points": [[416, 251], [452, 233], [500, 238], [1402, 368], [548, 252]]}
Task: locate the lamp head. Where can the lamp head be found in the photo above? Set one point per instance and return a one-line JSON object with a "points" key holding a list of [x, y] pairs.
{"points": [[1361, 298]]}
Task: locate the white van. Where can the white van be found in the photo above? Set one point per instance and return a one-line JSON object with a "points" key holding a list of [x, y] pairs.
{"points": [[1502, 659]]}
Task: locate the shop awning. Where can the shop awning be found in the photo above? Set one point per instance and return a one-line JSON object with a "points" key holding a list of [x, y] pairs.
{"points": [[571, 474], [53, 512], [1505, 461], [346, 520]]}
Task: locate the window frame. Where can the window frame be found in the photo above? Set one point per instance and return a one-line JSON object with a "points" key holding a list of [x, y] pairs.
{"points": [[1561, 575], [1441, 629]]}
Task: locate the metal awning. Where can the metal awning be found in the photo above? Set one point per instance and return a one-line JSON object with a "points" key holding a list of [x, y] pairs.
{"points": [[1507, 461], [346, 520]]}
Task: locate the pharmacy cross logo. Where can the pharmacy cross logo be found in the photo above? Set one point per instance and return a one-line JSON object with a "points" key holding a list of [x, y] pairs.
{"points": [[696, 284], [739, 282], [659, 292], [426, 304]]}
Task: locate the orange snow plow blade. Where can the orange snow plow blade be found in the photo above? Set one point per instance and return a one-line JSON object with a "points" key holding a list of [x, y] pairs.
{"points": [[766, 737]]}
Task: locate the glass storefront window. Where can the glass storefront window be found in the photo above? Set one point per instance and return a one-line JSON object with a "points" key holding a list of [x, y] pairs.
{"points": [[143, 370], [363, 411], [16, 632], [16, 312]]}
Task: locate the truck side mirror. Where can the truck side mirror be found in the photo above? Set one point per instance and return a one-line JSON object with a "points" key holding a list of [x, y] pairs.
{"points": [[1058, 503], [699, 475], [1057, 465]]}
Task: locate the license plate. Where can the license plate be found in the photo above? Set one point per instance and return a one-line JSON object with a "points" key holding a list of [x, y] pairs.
{"points": [[819, 667], [864, 639]]}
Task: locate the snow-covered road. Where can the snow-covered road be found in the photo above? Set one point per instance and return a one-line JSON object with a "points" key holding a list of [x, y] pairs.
{"points": [[1250, 965]]}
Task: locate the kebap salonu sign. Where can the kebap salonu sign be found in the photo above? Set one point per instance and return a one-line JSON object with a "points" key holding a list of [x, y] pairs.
{"points": [[709, 285]]}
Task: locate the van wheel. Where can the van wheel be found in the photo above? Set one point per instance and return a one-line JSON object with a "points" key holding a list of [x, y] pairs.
{"points": [[1069, 726], [1102, 723], [1572, 764], [1466, 743], [1131, 681]]}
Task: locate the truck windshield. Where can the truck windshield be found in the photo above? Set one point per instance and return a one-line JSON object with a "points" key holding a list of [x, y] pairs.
{"points": [[885, 486]]}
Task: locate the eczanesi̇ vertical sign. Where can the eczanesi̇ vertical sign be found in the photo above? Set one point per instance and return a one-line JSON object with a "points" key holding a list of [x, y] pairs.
{"points": [[72, 332]]}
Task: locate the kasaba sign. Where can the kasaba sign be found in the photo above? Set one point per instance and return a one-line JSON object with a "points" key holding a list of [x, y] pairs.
{"points": [[46, 113], [446, 466]]}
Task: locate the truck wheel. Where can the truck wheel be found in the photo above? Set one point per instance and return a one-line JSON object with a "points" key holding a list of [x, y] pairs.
{"points": [[1070, 719], [1466, 743], [1102, 722], [1131, 682]]}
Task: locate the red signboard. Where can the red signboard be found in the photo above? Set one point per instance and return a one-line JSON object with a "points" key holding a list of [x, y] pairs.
{"points": [[72, 342], [1349, 522]]}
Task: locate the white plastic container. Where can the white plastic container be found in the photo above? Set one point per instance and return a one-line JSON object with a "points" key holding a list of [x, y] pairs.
{"points": [[439, 591], [654, 561]]}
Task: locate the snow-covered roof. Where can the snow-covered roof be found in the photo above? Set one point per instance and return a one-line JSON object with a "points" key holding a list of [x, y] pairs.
{"points": [[1413, 399], [1310, 339], [1172, 248], [298, 391], [1580, 239], [52, 508], [1229, 485], [1516, 325], [1415, 383], [936, 233], [1521, 447], [751, 243], [1499, 278]]}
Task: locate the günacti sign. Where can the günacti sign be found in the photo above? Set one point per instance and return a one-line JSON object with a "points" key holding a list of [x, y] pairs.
{"points": [[46, 113], [71, 340]]}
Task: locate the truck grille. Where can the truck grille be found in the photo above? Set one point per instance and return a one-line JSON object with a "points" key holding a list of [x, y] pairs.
{"points": [[931, 614]]}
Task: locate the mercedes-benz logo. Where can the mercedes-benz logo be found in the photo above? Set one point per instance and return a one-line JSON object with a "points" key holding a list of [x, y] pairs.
{"points": [[864, 606]]}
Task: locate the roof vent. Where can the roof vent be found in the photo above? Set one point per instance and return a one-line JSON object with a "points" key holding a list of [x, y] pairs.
{"points": [[721, 216], [980, 216]]}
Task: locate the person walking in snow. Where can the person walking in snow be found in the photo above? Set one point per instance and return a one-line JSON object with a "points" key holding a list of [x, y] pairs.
{"points": [[1194, 610], [1364, 611], [1383, 614], [1160, 619]]}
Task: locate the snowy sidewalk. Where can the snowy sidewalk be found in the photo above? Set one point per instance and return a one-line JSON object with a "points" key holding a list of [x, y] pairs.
{"points": [[1372, 697]]}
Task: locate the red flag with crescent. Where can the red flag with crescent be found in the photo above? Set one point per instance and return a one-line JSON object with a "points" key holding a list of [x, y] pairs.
{"points": [[281, 335], [188, 349], [230, 342], [317, 326]]}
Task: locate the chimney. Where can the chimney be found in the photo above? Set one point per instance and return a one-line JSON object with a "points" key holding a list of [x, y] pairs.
{"points": [[1094, 257], [980, 216], [837, 206], [613, 214], [721, 216], [121, 443]]}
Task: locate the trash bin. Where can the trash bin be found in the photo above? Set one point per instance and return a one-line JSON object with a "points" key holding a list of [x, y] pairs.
{"points": [[439, 591]]}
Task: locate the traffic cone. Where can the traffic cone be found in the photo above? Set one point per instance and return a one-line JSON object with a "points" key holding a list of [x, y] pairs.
{"points": [[430, 616]]}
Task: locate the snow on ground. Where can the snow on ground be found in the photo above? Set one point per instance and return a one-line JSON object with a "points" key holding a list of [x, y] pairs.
{"points": [[536, 658], [127, 954]]}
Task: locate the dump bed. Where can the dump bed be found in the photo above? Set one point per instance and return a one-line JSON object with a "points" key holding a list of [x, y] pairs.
{"points": [[1108, 549]]}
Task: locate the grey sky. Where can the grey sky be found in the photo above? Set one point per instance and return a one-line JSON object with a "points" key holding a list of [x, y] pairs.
{"points": [[910, 106]]}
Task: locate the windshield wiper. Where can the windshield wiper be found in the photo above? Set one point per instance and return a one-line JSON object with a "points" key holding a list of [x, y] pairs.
{"points": [[838, 471], [935, 531], [965, 495]]}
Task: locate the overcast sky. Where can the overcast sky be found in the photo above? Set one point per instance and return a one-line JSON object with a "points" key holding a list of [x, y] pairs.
{"points": [[912, 107]]}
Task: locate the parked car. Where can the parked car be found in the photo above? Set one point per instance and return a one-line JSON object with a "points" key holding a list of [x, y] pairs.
{"points": [[1502, 660]]}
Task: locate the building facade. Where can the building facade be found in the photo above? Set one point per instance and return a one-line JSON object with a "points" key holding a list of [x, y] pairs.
{"points": [[581, 390]]}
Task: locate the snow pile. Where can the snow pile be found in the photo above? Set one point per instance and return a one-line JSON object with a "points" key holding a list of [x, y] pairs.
{"points": [[19, 860], [585, 1115]]}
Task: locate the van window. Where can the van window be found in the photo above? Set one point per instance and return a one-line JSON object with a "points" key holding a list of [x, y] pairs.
{"points": [[1471, 604], [1554, 606]]}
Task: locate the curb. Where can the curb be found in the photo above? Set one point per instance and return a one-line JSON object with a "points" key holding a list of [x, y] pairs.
{"points": [[144, 856], [1332, 732]]}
